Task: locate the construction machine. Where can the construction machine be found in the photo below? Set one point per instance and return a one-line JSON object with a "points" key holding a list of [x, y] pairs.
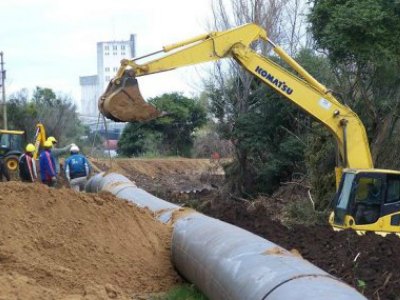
{"points": [[40, 138], [367, 199], [11, 147]]}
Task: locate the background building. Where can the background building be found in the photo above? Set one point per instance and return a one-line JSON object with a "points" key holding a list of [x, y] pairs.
{"points": [[109, 55]]}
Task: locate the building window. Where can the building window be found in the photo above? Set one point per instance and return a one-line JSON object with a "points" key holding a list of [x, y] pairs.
{"points": [[115, 69], [122, 53], [106, 48], [122, 47], [107, 53], [114, 53], [115, 47], [107, 78], [107, 69]]}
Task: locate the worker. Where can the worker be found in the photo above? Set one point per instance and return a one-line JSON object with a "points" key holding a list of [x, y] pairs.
{"points": [[27, 166], [3, 170], [57, 152], [368, 210], [76, 169], [48, 174]]}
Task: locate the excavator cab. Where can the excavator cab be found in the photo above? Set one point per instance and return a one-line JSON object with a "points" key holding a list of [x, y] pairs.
{"points": [[123, 102], [368, 200], [11, 147]]}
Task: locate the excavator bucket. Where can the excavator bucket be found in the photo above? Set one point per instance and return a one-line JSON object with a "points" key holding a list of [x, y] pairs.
{"points": [[123, 102]]}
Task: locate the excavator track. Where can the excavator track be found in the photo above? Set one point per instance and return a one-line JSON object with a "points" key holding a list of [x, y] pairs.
{"points": [[123, 102]]}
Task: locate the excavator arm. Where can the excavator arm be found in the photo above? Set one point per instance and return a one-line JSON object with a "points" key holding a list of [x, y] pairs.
{"points": [[122, 100], [40, 138]]}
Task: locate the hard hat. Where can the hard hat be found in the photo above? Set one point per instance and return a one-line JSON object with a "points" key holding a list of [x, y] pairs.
{"points": [[52, 139], [74, 148], [48, 144], [30, 148]]}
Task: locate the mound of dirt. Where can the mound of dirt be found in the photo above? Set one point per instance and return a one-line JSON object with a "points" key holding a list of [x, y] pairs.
{"points": [[370, 263], [58, 244], [170, 178]]}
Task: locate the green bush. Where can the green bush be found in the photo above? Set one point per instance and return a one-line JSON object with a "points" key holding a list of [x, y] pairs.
{"points": [[302, 213]]}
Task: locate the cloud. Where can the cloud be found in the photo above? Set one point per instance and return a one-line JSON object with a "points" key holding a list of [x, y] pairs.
{"points": [[51, 43]]}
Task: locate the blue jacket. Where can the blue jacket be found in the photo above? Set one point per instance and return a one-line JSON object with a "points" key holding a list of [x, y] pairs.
{"points": [[76, 166], [47, 165]]}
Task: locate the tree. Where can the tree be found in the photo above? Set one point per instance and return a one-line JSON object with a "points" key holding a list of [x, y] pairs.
{"points": [[137, 139], [230, 85], [56, 112], [361, 38], [169, 135], [246, 109]]}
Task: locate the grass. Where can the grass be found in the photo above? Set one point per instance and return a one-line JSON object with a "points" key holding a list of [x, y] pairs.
{"points": [[183, 292], [302, 213]]}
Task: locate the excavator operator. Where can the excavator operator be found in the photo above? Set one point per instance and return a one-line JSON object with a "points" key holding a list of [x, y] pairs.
{"points": [[367, 210]]}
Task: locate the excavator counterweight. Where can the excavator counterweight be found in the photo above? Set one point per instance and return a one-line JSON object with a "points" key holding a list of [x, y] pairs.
{"points": [[123, 102]]}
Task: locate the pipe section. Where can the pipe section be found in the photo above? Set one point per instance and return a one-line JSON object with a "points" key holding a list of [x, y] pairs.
{"points": [[227, 262]]}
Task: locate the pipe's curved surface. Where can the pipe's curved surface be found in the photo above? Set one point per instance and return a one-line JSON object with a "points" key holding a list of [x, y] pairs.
{"points": [[227, 262]]}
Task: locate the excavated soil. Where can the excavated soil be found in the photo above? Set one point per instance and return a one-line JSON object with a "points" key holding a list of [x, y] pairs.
{"points": [[58, 244], [173, 178], [125, 103]]}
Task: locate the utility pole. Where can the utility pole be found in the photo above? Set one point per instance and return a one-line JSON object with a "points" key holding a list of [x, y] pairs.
{"points": [[3, 89]]}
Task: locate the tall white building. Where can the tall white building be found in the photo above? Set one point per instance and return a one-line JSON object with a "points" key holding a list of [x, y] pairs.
{"points": [[109, 55]]}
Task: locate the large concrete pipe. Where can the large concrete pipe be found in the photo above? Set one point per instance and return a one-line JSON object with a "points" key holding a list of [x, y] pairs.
{"points": [[227, 262]]}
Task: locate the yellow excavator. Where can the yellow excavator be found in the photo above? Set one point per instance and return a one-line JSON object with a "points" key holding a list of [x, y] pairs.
{"points": [[11, 147], [367, 199]]}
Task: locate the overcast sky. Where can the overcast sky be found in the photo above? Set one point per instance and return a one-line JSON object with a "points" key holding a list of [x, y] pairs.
{"points": [[50, 43]]}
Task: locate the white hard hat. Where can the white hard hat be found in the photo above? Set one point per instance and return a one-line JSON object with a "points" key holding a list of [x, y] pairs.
{"points": [[74, 148]]}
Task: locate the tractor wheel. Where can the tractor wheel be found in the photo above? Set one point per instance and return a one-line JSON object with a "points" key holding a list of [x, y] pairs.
{"points": [[11, 163]]}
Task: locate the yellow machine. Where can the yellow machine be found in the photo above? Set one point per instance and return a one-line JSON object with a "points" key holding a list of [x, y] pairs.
{"points": [[367, 199], [11, 147], [40, 138]]}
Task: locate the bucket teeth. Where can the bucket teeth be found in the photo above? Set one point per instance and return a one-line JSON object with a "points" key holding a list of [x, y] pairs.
{"points": [[123, 102]]}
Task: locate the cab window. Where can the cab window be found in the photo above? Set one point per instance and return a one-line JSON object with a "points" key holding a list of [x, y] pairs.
{"points": [[5, 141], [368, 199], [393, 189], [369, 190]]}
